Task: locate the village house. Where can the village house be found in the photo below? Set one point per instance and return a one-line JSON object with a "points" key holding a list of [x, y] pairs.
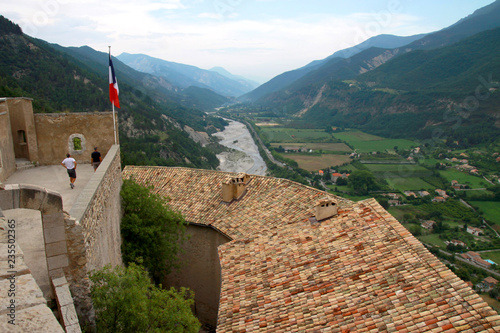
{"points": [[476, 258], [439, 199], [458, 243], [410, 194], [474, 231], [487, 284], [394, 203], [442, 193], [429, 224], [423, 193]]}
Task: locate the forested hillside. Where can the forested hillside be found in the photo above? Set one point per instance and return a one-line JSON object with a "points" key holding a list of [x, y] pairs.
{"points": [[150, 122], [453, 89]]}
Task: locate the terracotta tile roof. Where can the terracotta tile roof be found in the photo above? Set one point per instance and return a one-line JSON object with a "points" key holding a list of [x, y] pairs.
{"points": [[360, 271], [268, 202]]}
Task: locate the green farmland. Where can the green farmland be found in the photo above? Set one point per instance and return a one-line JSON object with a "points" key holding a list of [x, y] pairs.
{"points": [[491, 210], [365, 143], [464, 178], [291, 135], [409, 184]]}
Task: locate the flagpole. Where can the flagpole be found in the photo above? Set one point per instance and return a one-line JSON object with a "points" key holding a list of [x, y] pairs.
{"points": [[114, 121], [113, 105]]}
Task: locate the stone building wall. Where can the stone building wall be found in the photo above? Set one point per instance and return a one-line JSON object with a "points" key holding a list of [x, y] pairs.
{"points": [[23, 128], [201, 270], [7, 156], [56, 131]]}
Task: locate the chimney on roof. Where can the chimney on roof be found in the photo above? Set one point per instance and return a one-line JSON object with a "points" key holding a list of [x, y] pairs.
{"points": [[326, 208], [235, 187]]}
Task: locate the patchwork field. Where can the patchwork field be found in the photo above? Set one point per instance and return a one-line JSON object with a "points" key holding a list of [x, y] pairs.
{"points": [[291, 135], [402, 169], [491, 210], [325, 146], [409, 184], [365, 143], [315, 162], [464, 178]]}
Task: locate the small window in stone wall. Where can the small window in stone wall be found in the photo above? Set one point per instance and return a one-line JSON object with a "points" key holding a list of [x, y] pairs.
{"points": [[76, 144], [21, 136]]}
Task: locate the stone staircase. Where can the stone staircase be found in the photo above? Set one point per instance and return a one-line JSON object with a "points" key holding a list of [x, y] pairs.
{"points": [[23, 164]]}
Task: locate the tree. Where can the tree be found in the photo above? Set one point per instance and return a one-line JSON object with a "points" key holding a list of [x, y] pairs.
{"points": [[363, 181], [125, 300], [150, 230]]}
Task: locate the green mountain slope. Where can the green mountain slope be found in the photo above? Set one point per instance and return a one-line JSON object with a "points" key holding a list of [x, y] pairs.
{"points": [[150, 123], [285, 79], [311, 84]]}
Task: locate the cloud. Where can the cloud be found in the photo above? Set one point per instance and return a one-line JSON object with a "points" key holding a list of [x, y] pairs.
{"points": [[245, 37]]}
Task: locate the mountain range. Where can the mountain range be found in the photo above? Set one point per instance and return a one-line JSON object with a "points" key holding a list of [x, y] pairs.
{"points": [[219, 80], [400, 91]]}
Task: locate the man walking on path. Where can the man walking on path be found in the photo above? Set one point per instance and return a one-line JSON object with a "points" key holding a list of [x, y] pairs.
{"points": [[95, 158], [70, 164]]}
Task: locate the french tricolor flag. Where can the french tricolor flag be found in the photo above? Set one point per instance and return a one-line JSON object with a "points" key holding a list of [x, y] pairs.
{"points": [[113, 85]]}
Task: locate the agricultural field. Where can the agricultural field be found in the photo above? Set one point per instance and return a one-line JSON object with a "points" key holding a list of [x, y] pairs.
{"points": [[318, 162], [464, 178], [291, 135], [491, 210], [404, 170], [325, 146], [409, 184], [365, 143]]}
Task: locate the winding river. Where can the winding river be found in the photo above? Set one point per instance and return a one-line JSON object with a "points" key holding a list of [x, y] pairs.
{"points": [[245, 156]]}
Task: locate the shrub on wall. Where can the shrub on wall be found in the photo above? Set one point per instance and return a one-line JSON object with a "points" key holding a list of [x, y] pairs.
{"points": [[125, 300], [151, 230]]}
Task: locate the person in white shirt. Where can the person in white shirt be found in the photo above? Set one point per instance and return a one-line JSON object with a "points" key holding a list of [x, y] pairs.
{"points": [[70, 164]]}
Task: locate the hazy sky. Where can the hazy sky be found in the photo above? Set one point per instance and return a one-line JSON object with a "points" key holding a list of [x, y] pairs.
{"points": [[258, 39]]}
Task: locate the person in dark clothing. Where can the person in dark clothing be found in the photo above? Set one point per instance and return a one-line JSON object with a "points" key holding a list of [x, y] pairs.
{"points": [[95, 158]]}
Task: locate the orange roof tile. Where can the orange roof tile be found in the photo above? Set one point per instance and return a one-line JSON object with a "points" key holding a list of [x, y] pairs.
{"points": [[359, 271]]}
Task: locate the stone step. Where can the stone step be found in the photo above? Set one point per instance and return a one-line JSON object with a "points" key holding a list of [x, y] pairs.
{"points": [[24, 164]]}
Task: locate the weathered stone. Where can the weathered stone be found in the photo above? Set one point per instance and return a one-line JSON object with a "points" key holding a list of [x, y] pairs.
{"points": [[53, 220], [57, 262], [34, 319], [27, 292], [53, 235], [54, 249]]}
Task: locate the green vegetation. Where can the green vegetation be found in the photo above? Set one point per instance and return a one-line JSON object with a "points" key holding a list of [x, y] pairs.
{"points": [[75, 80], [151, 231], [409, 184], [366, 143], [464, 178], [125, 300], [316, 146], [490, 209], [291, 135]]}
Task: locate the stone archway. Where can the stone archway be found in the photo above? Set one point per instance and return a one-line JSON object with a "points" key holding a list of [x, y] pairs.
{"points": [[50, 205]]}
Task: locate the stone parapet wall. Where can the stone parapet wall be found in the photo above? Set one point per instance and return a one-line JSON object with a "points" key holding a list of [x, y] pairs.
{"points": [[97, 210], [24, 308], [7, 155]]}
